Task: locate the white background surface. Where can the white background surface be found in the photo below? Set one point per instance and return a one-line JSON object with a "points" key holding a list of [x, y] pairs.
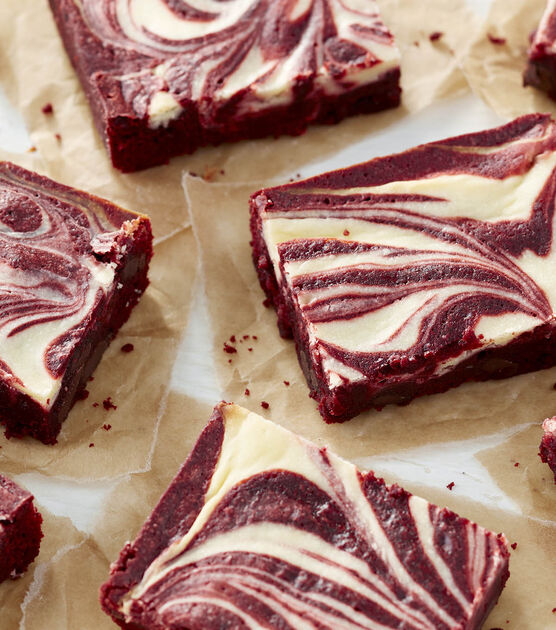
{"points": [[194, 372]]}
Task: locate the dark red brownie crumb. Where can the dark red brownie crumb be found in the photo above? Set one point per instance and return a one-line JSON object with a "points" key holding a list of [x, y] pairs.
{"points": [[435, 36], [450, 485], [250, 349], [229, 360], [91, 445], [58, 137], [247, 392], [245, 337], [346, 232], [127, 347], [513, 546], [554, 610], [255, 337], [107, 427], [499, 41], [287, 383], [516, 464], [266, 302], [229, 349], [233, 339], [265, 405], [108, 404], [91, 378], [95, 404], [83, 395], [48, 109]]}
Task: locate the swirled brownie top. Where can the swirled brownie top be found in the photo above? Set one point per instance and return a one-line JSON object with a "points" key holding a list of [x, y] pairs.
{"points": [[58, 258], [250, 50], [406, 266], [262, 529]]}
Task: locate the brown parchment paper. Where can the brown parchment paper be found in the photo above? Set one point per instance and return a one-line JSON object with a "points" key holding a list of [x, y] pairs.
{"points": [[260, 366], [495, 70], [34, 70]]}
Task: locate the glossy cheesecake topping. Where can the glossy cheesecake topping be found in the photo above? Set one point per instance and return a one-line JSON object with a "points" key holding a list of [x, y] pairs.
{"points": [[52, 275], [252, 53], [408, 265], [290, 536]]}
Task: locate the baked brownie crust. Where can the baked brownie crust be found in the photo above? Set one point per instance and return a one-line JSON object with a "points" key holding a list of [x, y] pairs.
{"points": [[20, 529], [72, 267], [547, 449], [224, 75], [541, 66], [261, 528], [416, 272]]}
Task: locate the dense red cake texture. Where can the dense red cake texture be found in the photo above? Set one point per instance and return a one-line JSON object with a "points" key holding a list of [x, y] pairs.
{"points": [[263, 529], [165, 77], [72, 267], [547, 449], [541, 66], [20, 529], [413, 273]]}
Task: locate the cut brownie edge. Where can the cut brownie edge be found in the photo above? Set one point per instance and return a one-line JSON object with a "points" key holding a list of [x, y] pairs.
{"points": [[547, 448], [20, 529]]}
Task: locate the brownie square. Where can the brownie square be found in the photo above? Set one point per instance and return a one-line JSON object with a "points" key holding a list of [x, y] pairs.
{"points": [[263, 529], [164, 78], [413, 273], [20, 529], [541, 64], [547, 449], [72, 267]]}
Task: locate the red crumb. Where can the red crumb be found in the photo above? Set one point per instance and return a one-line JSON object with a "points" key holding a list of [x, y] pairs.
{"points": [[245, 337], [229, 360], [233, 339], [95, 404], [450, 485], [255, 337], [513, 546], [91, 378], [83, 394], [265, 405], [554, 610], [499, 41], [108, 404], [91, 445], [127, 347], [346, 232], [48, 109], [107, 427], [266, 302], [247, 392], [250, 349], [287, 383], [435, 36], [58, 137], [516, 464], [229, 349]]}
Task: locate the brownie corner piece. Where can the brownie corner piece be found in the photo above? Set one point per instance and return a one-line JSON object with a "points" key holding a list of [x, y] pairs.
{"points": [[547, 448], [20, 529], [164, 84], [540, 71], [416, 272], [72, 268], [263, 529]]}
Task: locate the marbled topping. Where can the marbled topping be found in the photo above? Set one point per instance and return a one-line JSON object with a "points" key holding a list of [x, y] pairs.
{"points": [[408, 265], [52, 274], [254, 52], [289, 536]]}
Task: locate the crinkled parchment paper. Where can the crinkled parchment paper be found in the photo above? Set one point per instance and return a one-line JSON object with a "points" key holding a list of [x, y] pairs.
{"points": [[478, 431], [495, 70]]}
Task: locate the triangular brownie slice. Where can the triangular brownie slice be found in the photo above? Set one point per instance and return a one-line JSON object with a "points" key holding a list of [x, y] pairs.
{"points": [[413, 273], [263, 529]]}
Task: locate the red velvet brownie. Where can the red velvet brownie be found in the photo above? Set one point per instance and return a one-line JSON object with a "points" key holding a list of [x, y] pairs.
{"points": [[20, 529], [165, 77], [547, 449], [72, 267], [410, 274], [263, 529], [541, 67]]}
